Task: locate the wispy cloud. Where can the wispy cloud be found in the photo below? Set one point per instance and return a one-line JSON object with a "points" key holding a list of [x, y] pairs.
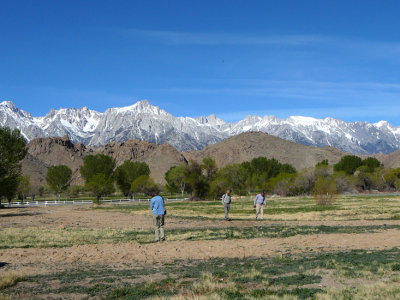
{"points": [[191, 38], [303, 90], [362, 47]]}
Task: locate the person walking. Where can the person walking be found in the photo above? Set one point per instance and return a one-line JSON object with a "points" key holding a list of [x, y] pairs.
{"points": [[157, 206], [259, 203], [226, 201]]}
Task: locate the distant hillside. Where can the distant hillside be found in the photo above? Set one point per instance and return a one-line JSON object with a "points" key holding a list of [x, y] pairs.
{"points": [[246, 146], [391, 160], [45, 152]]}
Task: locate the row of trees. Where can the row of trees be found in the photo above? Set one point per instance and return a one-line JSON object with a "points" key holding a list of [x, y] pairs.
{"points": [[100, 174], [205, 180]]}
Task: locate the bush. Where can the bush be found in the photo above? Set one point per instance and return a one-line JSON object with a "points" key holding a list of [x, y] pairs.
{"points": [[325, 189], [348, 164]]}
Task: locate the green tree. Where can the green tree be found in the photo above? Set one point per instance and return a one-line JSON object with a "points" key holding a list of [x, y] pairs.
{"points": [[97, 164], [100, 185], [262, 169], [9, 187], [144, 185], [281, 184], [195, 179], [368, 180], [126, 173], [75, 190], [24, 186], [210, 168], [392, 178], [371, 163], [218, 187], [234, 176], [287, 169], [98, 171], [58, 178], [12, 151], [175, 178], [322, 163], [348, 164]]}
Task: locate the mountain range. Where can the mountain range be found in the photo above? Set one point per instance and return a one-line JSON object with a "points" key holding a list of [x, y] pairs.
{"points": [[150, 123]]}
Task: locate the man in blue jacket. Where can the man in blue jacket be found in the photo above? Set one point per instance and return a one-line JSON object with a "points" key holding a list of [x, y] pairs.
{"points": [[158, 207]]}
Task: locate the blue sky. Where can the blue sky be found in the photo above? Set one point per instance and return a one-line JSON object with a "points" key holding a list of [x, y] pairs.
{"points": [[336, 59]]}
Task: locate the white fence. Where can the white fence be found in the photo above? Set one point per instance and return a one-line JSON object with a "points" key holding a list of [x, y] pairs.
{"points": [[82, 202]]}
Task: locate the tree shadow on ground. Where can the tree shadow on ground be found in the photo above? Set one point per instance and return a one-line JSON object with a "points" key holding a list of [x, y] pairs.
{"points": [[19, 214]]}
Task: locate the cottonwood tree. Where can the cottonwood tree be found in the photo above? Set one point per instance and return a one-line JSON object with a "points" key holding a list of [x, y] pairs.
{"points": [[210, 168], [126, 173], [348, 164], [97, 171], [175, 178], [24, 187], [144, 185], [58, 178], [100, 186], [12, 151], [196, 180]]}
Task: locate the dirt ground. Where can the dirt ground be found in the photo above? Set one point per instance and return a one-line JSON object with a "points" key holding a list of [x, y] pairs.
{"points": [[37, 260], [84, 217]]}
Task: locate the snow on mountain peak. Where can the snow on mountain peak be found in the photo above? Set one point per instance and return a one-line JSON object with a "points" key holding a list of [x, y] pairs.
{"points": [[147, 122], [7, 103], [140, 107]]}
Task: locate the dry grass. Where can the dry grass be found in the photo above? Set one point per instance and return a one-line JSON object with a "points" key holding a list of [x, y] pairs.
{"points": [[371, 292], [9, 279], [209, 284]]}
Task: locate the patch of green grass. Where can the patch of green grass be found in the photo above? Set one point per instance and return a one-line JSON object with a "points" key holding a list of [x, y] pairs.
{"points": [[229, 278], [298, 279], [45, 238]]}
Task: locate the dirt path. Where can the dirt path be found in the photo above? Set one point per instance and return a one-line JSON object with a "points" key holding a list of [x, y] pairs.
{"points": [[170, 251], [84, 217]]}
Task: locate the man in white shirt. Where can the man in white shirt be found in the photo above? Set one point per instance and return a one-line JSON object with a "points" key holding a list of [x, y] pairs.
{"points": [[259, 203]]}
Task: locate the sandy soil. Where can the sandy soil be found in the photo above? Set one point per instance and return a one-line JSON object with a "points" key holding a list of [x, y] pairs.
{"points": [[35, 260], [85, 217]]}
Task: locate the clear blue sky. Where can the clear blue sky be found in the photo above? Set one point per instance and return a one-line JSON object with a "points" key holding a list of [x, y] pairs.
{"points": [[232, 58]]}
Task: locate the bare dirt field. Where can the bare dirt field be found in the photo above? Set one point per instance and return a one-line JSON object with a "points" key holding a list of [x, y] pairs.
{"points": [[49, 242]]}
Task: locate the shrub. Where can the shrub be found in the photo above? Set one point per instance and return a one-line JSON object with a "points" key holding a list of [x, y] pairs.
{"points": [[325, 189]]}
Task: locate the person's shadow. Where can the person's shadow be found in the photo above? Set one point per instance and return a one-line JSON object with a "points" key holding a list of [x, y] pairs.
{"points": [[2, 264]]}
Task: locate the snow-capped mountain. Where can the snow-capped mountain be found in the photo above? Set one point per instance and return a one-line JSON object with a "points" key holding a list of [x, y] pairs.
{"points": [[147, 122]]}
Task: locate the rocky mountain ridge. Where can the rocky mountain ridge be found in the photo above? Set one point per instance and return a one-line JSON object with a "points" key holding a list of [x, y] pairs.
{"points": [[150, 123]]}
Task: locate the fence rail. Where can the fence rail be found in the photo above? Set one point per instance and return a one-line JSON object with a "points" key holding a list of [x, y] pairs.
{"points": [[83, 202]]}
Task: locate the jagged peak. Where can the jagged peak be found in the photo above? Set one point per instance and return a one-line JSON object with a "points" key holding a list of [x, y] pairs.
{"points": [[211, 119], [142, 106], [8, 103]]}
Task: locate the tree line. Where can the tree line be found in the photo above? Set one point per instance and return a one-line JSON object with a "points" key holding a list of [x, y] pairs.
{"points": [[200, 180]]}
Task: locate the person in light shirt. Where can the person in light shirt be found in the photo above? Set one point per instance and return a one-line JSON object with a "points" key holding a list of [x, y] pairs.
{"points": [[259, 202], [226, 202]]}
